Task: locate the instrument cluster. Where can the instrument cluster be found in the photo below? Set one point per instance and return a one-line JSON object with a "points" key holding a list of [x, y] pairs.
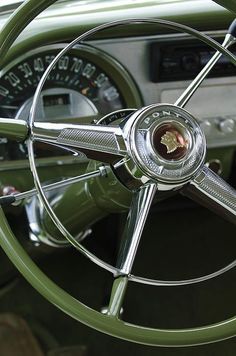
{"points": [[84, 84]]}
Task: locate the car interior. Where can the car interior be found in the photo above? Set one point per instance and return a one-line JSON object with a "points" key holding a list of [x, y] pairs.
{"points": [[117, 177]]}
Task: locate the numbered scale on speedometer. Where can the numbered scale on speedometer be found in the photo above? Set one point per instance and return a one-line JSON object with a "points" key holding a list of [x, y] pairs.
{"points": [[85, 83]]}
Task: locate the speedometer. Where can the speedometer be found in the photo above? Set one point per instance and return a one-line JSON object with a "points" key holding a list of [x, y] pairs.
{"points": [[85, 83]]}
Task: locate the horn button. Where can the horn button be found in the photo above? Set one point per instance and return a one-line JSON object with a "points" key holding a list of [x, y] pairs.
{"points": [[166, 143], [170, 142]]}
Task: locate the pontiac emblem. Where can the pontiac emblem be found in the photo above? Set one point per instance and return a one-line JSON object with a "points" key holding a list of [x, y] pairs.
{"points": [[170, 140]]}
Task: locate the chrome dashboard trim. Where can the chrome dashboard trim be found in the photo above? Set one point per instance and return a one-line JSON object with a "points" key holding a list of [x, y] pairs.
{"points": [[170, 36], [100, 43]]}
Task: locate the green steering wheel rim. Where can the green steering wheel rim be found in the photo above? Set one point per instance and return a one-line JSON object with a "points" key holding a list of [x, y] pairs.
{"points": [[52, 292]]}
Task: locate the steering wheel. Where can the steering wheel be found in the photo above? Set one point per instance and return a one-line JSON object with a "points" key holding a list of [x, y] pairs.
{"points": [[162, 148]]}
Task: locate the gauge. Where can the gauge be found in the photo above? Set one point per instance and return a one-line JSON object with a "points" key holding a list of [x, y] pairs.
{"points": [[85, 83]]}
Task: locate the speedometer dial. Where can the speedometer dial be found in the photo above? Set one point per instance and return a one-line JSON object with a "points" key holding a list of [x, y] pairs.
{"points": [[84, 83]]}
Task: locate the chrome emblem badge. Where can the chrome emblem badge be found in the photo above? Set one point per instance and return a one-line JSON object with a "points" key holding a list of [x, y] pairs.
{"points": [[169, 139]]}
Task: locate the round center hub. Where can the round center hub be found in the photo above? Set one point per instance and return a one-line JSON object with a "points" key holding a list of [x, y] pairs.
{"points": [[166, 143]]}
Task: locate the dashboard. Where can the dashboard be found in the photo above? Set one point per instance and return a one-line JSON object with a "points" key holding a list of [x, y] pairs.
{"points": [[164, 65], [102, 76], [89, 81]]}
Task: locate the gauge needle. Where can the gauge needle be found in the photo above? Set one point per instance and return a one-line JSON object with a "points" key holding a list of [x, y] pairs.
{"points": [[85, 91]]}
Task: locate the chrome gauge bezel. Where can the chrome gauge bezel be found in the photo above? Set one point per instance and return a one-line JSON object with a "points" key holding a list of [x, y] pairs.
{"points": [[115, 71], [120, 76]]}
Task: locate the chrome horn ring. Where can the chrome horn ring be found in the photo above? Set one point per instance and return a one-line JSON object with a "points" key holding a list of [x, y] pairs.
{"points": [[145, 194]]}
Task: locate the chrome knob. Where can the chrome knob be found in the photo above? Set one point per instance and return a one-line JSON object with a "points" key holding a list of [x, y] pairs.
{"points": [[226, 125], [206, 126]]}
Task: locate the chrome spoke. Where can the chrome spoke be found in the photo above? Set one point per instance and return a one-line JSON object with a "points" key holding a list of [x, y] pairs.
{"points": [[208, 189], [140, 206], [14, 129], [117, 296], [14, 198], [17, 129], [136, 220], [187, 94], [93, 139]]}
